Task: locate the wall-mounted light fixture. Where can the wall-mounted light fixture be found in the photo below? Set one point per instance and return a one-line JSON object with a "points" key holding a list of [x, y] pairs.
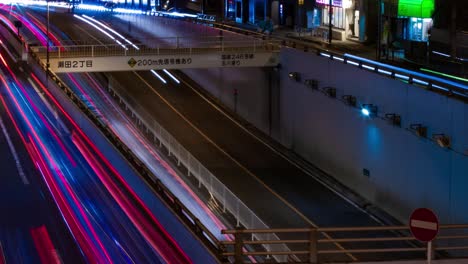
{"points": [[312, 83], [369, 110], [294, 76], [350, 100], [277, 67], [394, 119], [330, 91], [442, 140], [419, 130]]}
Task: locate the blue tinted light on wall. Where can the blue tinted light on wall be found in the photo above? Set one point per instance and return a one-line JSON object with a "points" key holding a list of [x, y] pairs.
{"points": [[365, 111], [368, 110]]}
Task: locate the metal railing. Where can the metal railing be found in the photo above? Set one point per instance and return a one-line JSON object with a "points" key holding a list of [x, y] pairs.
{"points": [[436, 84], [429, 82], [368, 243], [206, 17], [244, 216], [260, 235], [164, 46], [228, 200], [172, 202]]}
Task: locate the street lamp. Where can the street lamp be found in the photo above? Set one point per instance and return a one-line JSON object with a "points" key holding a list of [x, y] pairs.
{"points": [[47, 48], [330, 14], [18, 25], [379, 29]]}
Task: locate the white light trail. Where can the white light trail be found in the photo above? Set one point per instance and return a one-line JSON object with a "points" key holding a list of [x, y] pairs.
{"points": [[172, 76], [441, 54], [338, 58], [352, 63], [100, 29], [159, 76], [420, 81], [384, 72], [402, 76], [368, 67], [111, 30]]}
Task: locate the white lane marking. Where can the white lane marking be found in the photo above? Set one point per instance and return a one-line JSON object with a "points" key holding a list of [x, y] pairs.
{"points": [[281, 198], [424, 224], [8, 51], [14, 153], [51, 109], [266, 144]]}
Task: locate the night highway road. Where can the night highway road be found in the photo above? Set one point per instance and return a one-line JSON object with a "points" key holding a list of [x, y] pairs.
{"points": [[236, 156], [108, 219], [26, 205], [91, 91], [247, 164]]}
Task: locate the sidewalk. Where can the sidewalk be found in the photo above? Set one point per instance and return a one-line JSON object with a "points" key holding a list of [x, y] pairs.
{"points": [[354, 47]]}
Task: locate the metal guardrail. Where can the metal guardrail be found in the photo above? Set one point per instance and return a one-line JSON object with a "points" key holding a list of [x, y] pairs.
{"points": [[429, 82], [227, 199], [171, 201], [432, 83], [266, 238], [224, 249], [206, 17], [312, 242], [230, 202], [164, 46]]}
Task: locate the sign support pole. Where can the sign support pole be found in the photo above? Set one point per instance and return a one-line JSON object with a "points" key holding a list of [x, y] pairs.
{"points": [[429, 252]]}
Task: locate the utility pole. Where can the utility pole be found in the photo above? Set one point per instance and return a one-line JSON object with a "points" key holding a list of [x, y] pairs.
{"points": [[330, 14]]}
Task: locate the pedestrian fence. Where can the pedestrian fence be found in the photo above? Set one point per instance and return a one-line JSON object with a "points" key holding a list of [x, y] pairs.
{"points": [[312, 245], [228, 200], [258, 241]]}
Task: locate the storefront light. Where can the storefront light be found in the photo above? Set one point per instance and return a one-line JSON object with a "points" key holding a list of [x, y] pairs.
{"points": [[347, 4]]}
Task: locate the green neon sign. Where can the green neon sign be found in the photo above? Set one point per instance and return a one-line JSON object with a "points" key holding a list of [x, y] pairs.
{"points": [[416, 8]]}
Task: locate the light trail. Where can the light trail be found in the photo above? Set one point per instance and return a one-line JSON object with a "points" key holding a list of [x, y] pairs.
{"points": [[100, 29], [111, 30], [159, 76], [45, 247], [172, 76], [35, 154]]}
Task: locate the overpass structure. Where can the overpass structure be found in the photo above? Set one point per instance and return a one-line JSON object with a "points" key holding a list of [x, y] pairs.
{"points": [[226, 249], [166, 53]]}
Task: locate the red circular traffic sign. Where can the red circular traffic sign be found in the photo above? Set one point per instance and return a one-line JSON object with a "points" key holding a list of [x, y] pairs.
{"points": [[424, 224]]}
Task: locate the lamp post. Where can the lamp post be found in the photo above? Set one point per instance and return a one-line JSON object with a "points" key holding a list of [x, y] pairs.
{"points": [[379, 30], [330, 14], [47, 48]]}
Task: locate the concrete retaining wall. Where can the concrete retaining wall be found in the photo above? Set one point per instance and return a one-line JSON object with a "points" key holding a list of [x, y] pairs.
{"points": [[405, 171]]}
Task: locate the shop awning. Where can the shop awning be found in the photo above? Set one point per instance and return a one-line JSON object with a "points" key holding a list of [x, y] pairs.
{"points": [[416, 8]]}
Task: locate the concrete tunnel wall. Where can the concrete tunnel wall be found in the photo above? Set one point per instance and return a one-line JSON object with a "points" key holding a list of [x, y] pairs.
{"points": [[252, 85], [406, 171]]}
